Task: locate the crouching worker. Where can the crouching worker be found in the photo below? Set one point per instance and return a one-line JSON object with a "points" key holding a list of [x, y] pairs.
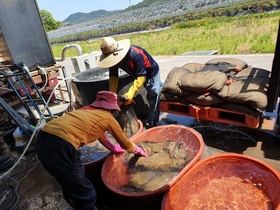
{"points": [[58, 142]]}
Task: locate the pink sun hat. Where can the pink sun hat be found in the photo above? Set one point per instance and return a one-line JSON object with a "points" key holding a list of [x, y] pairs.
{"points": [[106, 100]]}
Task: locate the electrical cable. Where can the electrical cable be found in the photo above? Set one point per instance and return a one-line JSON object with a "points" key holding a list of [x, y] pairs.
{"points": [[11, 196], [15, 197]]}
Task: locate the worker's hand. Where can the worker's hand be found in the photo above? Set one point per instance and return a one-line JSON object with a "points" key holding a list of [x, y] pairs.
{"points": [[139, 151], [123, 99], [137, 84], [113, 148], [129, 98], [117, 149]]}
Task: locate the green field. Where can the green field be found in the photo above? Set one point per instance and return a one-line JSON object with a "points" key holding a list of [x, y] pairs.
{"points": [[250, 34]]}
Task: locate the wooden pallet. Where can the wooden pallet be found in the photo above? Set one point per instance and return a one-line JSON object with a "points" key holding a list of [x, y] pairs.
{"points": [[211, 113]]}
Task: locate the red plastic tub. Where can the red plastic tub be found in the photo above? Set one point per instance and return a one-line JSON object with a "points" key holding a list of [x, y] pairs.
{"points": [[114, 170], [93, 167], [226, 181]]}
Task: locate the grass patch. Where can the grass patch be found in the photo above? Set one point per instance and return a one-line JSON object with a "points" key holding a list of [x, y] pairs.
{"points": [[251, 34]]}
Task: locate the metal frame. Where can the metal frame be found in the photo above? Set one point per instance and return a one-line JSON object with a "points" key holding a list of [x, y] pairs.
{"points": [[29, 99], [273, 90]]}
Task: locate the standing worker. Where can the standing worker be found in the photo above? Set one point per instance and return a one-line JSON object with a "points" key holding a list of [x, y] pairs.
{"points": [[58, 142], [140, 65]]}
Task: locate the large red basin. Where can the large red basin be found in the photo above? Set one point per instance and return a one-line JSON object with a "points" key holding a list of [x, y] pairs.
{"points": [[114, 174], [226, 181]]}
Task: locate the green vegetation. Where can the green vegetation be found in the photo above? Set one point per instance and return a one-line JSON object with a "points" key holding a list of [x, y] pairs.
{"points": [[250, 34], [49, 22], [237, 9], [80, 17]]}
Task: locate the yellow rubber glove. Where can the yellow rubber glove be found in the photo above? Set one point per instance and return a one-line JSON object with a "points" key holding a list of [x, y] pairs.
{"points": [[137, 84], [113, 84]]}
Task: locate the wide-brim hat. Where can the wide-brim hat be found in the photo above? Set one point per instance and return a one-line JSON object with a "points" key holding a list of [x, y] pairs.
{"points": [[106, 100], [112, 52]]}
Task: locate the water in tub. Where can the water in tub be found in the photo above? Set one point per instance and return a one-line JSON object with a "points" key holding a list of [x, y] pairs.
{"points": [[166, 160]]}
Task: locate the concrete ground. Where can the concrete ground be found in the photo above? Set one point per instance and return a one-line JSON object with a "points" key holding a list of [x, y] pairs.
{"points": [[38, 190], [167, 63]]}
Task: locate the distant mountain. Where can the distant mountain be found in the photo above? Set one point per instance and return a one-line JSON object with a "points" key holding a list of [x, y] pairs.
{"points": [[80, 17]]}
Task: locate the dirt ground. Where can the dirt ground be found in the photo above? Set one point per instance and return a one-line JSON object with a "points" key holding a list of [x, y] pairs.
{"points": [[29, 186]]}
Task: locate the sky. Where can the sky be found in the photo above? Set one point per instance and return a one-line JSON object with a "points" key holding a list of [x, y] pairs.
{"points": [[61, 9]]}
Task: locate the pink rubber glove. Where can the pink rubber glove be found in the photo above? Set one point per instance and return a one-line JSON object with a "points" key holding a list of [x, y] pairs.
{"points": [[113, 148], [140, 151]]}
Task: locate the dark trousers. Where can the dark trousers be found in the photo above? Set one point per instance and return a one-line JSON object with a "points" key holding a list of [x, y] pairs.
{"points": [[62, 161]]}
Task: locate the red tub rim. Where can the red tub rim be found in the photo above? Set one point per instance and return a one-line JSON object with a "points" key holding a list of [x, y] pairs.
{"points": [[227, 156]]}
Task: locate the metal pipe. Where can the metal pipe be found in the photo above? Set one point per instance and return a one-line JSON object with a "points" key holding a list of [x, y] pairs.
{"points": [[67, 47]]}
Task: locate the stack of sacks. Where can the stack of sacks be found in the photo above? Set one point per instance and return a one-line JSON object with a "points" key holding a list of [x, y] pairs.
{"points": [[223, 82]]}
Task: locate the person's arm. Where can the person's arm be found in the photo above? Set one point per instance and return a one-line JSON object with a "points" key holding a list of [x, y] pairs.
{"points": [[139, 67], [118, 149], [125, 143], [137, 84], [113, 84], [106, 143], [113, 79], [139, 151]]}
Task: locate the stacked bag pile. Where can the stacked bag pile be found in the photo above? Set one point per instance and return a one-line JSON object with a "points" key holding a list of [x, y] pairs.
{"points": [[227, 83]]}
